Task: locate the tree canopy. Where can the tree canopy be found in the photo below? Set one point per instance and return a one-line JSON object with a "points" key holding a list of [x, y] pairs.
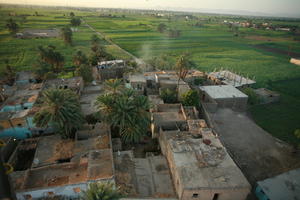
{"points": [[85, 71], [101, 191], [75, 21], [161, 27], [60, 108], [126, 111], [79, 58], [52, 57], [66, 34], [12, 26]]}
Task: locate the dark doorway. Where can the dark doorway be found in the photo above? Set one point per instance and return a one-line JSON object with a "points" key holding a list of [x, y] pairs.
{"points": [[216, 196]]}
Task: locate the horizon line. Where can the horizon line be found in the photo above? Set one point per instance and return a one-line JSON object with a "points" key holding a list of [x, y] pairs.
{"points": [[197, 10]]}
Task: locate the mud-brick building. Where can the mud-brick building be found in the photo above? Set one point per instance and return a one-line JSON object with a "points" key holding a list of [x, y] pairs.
{"points": [[111, 69], [200, 166], [75, 84], [51, 167], [16, 113]]}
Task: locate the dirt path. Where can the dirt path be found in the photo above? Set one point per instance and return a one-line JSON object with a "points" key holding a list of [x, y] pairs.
{"points": [[258, 154], [279, 51]]}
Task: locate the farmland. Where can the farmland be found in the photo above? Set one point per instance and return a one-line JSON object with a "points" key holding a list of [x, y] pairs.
{"points": [[211, 45]]}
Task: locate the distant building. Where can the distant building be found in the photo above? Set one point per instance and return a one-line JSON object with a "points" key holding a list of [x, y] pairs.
{"points": [[229, 78], [49, 166], [113, 69], [38, 33], [283, 29], [223, 96], [295, 61], [284, 186]]}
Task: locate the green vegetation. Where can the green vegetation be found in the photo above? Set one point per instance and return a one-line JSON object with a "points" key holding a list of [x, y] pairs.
{"points": [[60, 109], [52, 57], [66, 34], [211, 44], [190, 98], [253, 99], [183, 65], [85, 71], [169, 96], [125, 111], [101, 191], [75, 21], [12, 26]]}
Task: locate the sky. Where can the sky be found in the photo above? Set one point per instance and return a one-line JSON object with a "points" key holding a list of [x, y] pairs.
{"points": [[271, 7]]}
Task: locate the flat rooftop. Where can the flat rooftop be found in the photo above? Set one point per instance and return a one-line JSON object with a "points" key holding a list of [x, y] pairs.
{"points": [[137, 78], [143, 177], [202, 162], [283, 186], [155, 100], [60, 162], [73, 82], [230, 78], [222, 91]]}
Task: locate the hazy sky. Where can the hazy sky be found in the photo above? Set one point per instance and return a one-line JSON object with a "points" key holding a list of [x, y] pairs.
{"points": [[275, 7]]}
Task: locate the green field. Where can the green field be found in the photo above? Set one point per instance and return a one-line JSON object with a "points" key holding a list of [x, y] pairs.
{"points": [[212, 46]]}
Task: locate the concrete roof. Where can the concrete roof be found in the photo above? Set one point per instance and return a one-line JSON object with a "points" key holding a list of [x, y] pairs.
{"points": [[283, 186], [222, 91], [199, 165]]}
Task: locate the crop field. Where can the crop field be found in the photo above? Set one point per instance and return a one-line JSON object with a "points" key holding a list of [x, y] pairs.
{"points": [[211, 45]]}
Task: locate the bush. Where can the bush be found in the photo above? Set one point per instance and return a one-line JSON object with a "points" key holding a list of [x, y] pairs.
{"points": [[190, 98], [199, 81], [169, 96]]}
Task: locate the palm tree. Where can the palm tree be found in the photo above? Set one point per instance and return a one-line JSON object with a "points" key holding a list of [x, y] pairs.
{"points": [[12, 26], [79, 58], [182, 67], [101, 191], [66, 34], [61, 109], [127, 112], [85, 72], [52, 57], [40, 69], [113, 86]]}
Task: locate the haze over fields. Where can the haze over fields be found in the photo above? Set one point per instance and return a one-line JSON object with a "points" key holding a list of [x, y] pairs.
{"points": [[283, 8]]}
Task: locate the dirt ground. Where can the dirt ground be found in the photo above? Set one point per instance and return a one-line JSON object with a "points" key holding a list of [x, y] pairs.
{"points": [[257, 153], [279, 51], [266, 38]]}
